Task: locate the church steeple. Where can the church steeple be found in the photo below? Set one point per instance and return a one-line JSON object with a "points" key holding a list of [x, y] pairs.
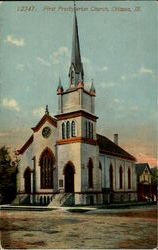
{"points": [[76, 73]]}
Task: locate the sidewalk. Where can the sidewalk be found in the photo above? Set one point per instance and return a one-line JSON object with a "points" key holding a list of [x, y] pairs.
{"points": [[111, 208]]}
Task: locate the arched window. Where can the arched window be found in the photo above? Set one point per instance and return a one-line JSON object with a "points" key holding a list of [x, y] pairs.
{"points": [[63, 130], [111, 176], [129, 178], [73, 129], [46, 164], [68, 129], [100, 166], [86, 123], [91, 130], [90, 173], [121, 177], [27, 180]]}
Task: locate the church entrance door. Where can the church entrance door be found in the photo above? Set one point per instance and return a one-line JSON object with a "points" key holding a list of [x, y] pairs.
{"points": [[27, 177], [69, 179]]}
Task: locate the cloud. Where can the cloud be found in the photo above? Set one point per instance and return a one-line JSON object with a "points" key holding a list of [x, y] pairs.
{"points": [[43, 62], [134, 108], [85, 60], [17, 42], [118, 101], [39, 111], [10, 104], [4, 134], [143, 157], [106, 85], [20, 67], [105, 68], [60, 55], [144, 70], [123, 77]]}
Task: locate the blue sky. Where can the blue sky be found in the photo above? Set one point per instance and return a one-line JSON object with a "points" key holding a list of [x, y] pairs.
{"points": [[118, 51]]}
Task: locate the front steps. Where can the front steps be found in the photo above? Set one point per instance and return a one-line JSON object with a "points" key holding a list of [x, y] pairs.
{"points": [[62, 199], [57, 200], [21, 199]]}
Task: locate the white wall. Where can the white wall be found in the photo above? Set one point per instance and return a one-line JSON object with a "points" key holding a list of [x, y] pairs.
{"points": [[35, 149], [116, 162], [90, 151], [76, 100], [66, 153]]}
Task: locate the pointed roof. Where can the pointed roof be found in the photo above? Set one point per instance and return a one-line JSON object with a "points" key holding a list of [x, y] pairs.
{"points": [[26, 145], [92, 89], [76, 68], [140, 167], [45, 118], [60, 87], [75, 54], [59, 84]]}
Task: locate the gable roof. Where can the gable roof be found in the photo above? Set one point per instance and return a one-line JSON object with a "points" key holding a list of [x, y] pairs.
{"points": [[107, 146], [140, 167], [45, 118], [26, 145]]}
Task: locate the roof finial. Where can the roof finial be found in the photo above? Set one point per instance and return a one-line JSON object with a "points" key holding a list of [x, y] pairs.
{"points": [[59, 82], [92, 89], [60, 87], [46, 111]]}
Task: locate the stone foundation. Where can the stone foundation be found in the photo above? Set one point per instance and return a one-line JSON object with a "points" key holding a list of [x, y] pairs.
{"points": [[88, 199], [68, 199], [120, 197]]}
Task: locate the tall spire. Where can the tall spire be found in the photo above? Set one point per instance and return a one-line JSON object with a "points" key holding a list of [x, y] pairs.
{"points": [[76, 69]]}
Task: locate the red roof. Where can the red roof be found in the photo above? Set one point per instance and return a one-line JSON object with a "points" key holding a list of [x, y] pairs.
{"points": [[45, 118], [26, 145]]}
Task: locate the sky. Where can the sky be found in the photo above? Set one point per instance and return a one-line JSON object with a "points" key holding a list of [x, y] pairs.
{"points": [[118, 50]]}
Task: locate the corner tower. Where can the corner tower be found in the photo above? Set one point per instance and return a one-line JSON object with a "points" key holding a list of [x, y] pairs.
{"points": [[78, 152]]}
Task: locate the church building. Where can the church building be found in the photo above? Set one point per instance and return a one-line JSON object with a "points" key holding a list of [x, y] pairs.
{"points": [[65, 161]]}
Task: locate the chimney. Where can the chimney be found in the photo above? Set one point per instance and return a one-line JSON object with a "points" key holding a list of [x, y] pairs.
{"points": [[116, 139]]}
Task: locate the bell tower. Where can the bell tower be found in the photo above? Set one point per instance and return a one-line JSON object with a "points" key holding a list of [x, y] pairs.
{"points": [[77, 145]]}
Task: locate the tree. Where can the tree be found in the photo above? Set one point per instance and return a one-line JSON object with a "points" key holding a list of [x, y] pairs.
{"points": [[154, 177], [8, 172]]}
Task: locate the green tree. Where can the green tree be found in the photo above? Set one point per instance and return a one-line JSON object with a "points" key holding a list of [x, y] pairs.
{"points": [[8, 173], [154, 177]]}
